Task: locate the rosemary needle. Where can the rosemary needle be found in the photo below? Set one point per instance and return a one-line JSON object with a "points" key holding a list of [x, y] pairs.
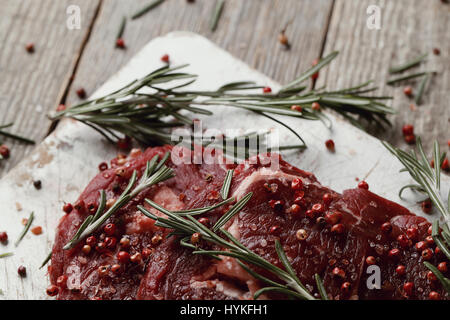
{"points": [[3, 126], [436, 235], [154, 173], [407, 77], [232, 212], [226, 184], [14, 136], [185, 228], [216, 14], [323, 62], [408, 65], [428, 181], [17, 137], [47, 259], [320, 287], [194, 212], [235, 249], [149, 118], [444, 281], [122, 27], [25, 229], [147, 8], [421, 89], [7, 254]]}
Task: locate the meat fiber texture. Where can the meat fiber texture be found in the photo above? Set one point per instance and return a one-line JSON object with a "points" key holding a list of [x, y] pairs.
{"points": [[170, 271]]}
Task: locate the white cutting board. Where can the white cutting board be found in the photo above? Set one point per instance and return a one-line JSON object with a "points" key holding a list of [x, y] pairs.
{"points": [[68, 159]]}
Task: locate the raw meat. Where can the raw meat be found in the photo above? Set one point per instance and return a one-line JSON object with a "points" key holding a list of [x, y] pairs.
{"points": [[321, 232]]}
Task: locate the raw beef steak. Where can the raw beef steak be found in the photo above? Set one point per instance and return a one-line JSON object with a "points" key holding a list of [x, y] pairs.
{"points": [[335, 235]]}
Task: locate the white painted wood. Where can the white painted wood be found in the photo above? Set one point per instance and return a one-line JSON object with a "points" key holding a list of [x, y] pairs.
{"points": [[67, 160]]}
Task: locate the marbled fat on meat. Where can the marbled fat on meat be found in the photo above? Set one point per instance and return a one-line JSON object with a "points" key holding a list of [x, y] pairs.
{"points": [[169, 271]]}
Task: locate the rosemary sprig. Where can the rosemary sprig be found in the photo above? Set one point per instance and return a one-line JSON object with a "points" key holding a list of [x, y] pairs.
{"points": [[149, 116], [409, 64], [195, 212], [216, 14], [186, 227], [323, 62], [3, 126], [444, 280], [25, 229], [146, 9], [428, 181], [154, 173]]}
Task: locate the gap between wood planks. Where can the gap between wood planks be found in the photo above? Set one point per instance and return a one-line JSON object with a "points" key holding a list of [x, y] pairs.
{"points": [[68, 86], [325, 34]]}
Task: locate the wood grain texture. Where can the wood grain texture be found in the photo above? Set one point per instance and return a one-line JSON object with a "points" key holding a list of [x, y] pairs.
{"points": [[247, 29], [32, 84], [408, 28]]}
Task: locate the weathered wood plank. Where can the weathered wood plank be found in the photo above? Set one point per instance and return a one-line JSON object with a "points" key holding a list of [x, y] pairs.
{"points": [[408, 28], [248, 29], [32, 84]]}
